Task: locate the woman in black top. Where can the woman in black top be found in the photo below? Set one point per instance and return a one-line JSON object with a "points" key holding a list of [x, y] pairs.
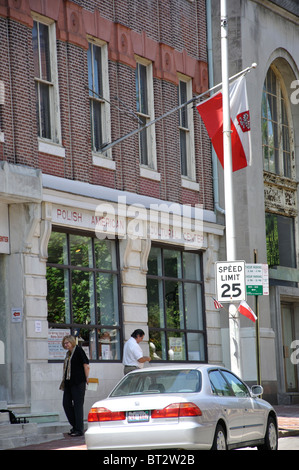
{"points": [[75, 378]]}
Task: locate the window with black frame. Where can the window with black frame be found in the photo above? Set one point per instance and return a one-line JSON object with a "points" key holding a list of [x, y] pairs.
{"points": [[96, 93], [183, 127], [46, 80], [146, 113], [142, 110], [175, 305], [43, 78], [83, 292], [280, 239]]}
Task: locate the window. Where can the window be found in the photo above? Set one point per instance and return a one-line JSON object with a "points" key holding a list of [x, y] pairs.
{"points": [[145, 112], [175, 305], [46, 83], [278, 150], [168, 381], [276, 135], [280, 237], [225, 384], [98, 85], [183, 126], [186, 130], [219, 385], [238, 388], [83, 291]]}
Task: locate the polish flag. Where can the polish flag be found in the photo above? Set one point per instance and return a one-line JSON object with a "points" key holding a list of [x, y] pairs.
{"points": [[244, 309], [211, 112]]}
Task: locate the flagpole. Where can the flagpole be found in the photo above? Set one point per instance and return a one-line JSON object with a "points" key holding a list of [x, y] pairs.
{"points": [[108, 146], [234, 320]]}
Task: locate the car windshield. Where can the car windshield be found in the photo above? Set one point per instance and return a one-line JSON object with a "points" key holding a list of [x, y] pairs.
{"points": [[164, 381]]}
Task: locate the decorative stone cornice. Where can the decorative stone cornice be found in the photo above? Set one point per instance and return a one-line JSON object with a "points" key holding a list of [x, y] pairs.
{"points": [[280, 195]]}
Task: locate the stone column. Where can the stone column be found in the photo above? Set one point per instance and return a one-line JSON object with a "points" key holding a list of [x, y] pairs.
{"points": [[134, 255], [21, 190]]}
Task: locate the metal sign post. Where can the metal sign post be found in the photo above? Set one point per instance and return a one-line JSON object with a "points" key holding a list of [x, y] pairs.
{"points": [[234, 319]]}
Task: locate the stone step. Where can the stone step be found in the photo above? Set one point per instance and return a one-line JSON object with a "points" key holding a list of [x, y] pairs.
{"points": [[43, 417], [20, 435], [24, 440], [10, 430]]}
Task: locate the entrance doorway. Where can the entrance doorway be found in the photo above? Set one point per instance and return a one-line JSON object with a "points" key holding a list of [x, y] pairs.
{"points": [[288, 336]]}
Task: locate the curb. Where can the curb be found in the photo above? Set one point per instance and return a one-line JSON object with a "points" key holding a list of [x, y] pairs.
{"points": [[288, 432]]}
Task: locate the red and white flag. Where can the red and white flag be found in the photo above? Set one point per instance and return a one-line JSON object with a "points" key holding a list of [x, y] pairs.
{"points": [[244, 309], [211, 111]]}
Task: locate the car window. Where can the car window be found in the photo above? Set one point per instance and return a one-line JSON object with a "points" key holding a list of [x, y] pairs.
{"points": [[238, 387], [219, 385], [166, 381]]}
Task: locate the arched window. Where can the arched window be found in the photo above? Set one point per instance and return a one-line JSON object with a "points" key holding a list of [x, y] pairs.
{"points": [[280, 187], [276, 135]]}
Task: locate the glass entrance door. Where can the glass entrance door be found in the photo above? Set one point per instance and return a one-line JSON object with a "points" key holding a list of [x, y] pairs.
{"points": [[288, 335]]}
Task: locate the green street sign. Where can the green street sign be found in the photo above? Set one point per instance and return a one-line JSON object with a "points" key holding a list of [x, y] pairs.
{"points": [[254, 290]]}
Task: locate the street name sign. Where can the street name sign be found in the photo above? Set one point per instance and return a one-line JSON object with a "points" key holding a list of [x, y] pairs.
{"points": [[230, 281], [257, 279]]}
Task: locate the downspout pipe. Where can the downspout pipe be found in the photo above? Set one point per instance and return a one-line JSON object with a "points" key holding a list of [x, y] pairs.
{"points": [[211, 84]]}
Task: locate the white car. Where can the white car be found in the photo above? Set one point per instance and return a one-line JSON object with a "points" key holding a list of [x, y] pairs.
{"points": [[185, 407]]}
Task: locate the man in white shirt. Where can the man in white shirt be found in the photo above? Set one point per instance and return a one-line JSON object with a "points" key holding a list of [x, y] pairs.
{"points": [[133, 357]]}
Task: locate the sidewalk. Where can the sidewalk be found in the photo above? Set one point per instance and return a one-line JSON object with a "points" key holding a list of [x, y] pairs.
{"points": [[67, 443], [288, 423], [288, 420]]}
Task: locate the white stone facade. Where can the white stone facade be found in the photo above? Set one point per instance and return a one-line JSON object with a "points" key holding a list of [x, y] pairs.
{"points": [[29, 381], [266, 33]]}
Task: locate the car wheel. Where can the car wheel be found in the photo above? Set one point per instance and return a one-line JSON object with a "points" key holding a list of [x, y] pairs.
{"points": [[219, 442], [271, 437]]}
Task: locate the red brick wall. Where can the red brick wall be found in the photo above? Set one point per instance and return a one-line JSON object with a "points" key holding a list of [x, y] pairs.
{"points": [[170, 33]]}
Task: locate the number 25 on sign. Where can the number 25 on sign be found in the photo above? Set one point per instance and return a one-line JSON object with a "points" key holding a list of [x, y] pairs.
{"points": [[230, 280]]}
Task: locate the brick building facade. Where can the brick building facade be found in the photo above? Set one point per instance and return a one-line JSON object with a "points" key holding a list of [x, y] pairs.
{"points": [[174, 43], [76, 76]]}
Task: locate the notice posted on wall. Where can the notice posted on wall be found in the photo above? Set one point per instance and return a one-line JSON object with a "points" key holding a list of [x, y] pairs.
{"points": [[55, 337]]}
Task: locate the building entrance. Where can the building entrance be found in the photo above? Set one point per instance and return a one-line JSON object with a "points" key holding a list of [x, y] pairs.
{"points": [[288, 336]]}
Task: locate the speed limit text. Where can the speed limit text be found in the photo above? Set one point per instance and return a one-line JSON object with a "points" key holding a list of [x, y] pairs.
{"points": [[230, 273]]}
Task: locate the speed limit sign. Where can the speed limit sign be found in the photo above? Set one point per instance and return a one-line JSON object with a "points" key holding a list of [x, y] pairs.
{"points": [[230, 281]]}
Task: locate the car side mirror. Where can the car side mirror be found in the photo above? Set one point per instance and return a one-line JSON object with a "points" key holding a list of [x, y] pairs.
{"points": [[256, 390]]}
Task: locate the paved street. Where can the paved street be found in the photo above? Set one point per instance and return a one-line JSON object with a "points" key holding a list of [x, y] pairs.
{"points": [[289, 443], [284, 443], [68, 443]]}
